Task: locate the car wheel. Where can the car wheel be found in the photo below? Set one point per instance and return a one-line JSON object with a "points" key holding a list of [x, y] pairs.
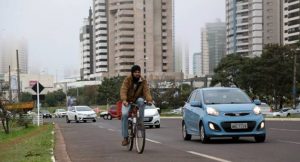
{"points": [[77, 121], [94, 120], [157, 126], [203, 136], [105, 117], [109, 117], [260, 139], [185, 135], [288, 115], [67, 119]]}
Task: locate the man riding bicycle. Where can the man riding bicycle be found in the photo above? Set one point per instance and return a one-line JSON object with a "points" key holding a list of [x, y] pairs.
{"points": [[134, 90]]}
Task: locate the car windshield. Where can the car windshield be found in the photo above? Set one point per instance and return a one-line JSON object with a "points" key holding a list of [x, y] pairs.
{"points": [[45, 111], [83, 108], [225, 96], [61, 110]]}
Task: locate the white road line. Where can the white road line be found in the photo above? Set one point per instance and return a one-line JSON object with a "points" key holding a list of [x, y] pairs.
{"points": [[100, 126], [291, 130], [208, 156], [153, 141], [292, 142], [111, 130]]}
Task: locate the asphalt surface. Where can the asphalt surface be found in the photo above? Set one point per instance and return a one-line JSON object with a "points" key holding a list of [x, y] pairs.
{"points": [[101, 141]]}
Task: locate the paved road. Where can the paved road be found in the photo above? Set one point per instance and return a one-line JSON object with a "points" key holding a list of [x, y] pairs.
{"points": [[101, 141]]}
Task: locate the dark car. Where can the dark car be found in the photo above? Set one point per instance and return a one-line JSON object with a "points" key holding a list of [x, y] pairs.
{"points": [[46, 114]]}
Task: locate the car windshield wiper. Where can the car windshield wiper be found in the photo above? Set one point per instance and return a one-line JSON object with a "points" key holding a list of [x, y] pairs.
{"points": [[213, 103]]}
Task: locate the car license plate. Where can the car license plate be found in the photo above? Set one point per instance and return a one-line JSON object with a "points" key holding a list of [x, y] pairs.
{"points": [[239, 125]]}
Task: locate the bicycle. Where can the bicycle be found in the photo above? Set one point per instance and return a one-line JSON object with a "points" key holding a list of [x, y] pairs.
{"points": [[136, 130]]}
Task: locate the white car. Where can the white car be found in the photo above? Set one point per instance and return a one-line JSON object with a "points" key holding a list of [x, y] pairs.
{"points": [[80, 113], [60, 113], [265, 109], [151, 116], [284, 112]]}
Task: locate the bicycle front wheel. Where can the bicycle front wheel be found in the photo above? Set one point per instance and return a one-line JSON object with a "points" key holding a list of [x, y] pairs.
{"points": [[140, 138], [130, 135]]}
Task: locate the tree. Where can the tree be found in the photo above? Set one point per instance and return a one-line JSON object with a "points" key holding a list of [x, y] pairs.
{"points": [[4, 116], [269, 75], [109, 90], [25, 96]]}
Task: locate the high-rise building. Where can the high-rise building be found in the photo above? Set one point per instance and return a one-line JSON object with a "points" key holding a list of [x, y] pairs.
{"points": [[291, 21], [244, 19], [8, 55], [186, 60], [141, 32], [178, 56], [213, 43], [273, 21], [86, 48], [197, 64], [100, 38]]}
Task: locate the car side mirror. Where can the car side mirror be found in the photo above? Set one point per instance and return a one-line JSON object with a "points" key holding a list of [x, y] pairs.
{"points": [[257, 102], [196, 104]]}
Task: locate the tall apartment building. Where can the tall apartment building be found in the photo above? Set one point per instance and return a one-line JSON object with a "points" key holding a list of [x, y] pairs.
{"points": [[8, 57], [197, 64], [86, 48], [178, 56], [100, 38], [273, 21], [213, 43], [244, 33], [291, 21], [141, 32]]}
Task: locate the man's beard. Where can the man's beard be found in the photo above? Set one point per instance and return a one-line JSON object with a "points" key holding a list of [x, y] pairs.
{"points": [[135, 79]]}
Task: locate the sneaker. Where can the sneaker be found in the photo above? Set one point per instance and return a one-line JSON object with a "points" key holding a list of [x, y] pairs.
{"points": [[125, 142]]}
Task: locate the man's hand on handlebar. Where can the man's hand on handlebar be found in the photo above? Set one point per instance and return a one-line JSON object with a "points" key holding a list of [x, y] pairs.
{"points": [[125, 103]]}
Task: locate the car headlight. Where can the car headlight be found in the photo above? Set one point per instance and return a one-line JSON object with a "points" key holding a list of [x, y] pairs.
{"points": [[256, 110], [212, 111]]}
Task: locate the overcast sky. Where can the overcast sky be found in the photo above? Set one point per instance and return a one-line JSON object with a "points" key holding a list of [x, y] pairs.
{"points": [[51, 27]]}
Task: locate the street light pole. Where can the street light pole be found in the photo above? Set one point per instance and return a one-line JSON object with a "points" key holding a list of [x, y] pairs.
{"points": [[294, 79]]}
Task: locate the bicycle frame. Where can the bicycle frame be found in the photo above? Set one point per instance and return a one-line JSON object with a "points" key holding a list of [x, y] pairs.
{"points": [[136, 130]]}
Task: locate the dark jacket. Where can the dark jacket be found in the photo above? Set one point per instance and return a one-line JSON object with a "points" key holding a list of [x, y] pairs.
{"points": [[129, 94]]}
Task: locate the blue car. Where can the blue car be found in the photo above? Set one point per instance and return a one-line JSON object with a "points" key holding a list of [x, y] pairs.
{"points": [[222, 112]]}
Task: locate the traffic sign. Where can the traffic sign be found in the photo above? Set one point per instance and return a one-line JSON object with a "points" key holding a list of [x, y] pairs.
{"points": [[41, 87]]}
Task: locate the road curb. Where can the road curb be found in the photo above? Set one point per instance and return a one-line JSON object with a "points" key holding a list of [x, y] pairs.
{"points": [[60, 151]]}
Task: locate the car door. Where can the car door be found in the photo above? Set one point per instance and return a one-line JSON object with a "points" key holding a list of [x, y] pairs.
{"points": [[197, 112], [72, 113], [188, 112]]}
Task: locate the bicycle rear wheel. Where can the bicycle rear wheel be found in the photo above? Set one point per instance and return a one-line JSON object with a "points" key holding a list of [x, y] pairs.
{"points": [[140, 138], [130, 135]]}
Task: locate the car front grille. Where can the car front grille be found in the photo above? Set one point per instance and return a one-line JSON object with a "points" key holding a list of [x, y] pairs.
{"points": [[227, 126], [236, 114], [148, 119]]}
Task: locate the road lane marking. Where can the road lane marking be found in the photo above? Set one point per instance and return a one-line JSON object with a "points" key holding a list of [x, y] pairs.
{"points": [[111, 130], [152, 141], [208, 156], [100, 126], [291, 130], [292, 142]]}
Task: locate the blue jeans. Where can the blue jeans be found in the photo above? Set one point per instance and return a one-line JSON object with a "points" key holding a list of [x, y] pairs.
{"points": [[125, 111]]}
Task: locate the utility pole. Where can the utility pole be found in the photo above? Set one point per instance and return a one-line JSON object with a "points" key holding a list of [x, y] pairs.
{"points": [[294, 79], [9, 83], [18, 74]]}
